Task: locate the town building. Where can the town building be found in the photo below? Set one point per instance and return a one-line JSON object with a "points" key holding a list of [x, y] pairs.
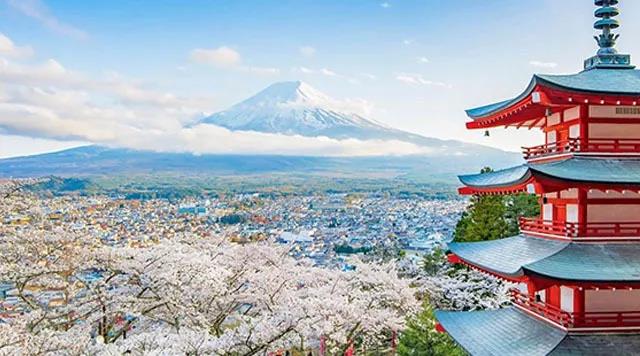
{"points": [[577, 266]]}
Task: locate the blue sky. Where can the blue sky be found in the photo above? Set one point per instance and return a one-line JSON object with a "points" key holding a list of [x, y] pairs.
{"points": [[415, 65]]}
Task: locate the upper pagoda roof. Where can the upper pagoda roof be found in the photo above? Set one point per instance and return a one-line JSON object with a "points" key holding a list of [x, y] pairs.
{"points": [[510, 331], [575, 169], [515, 256], [597, 81]]}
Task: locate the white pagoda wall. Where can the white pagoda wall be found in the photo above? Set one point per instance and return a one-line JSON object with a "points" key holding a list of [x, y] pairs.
{"points": [[606, 131], [612, 300], [613, 213]]}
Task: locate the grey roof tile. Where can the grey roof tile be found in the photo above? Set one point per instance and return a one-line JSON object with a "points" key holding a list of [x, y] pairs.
{"points": [[500, 332], [506, 256]]}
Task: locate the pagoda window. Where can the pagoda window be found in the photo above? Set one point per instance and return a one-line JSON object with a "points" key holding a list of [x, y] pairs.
{"points": [[551, 137], [572, 214], [554, 119], [574, 131], [547, 212], [566, 299], [572, 113]]}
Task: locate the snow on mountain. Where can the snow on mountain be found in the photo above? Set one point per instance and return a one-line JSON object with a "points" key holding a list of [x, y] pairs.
{"points": [[296, 108]]}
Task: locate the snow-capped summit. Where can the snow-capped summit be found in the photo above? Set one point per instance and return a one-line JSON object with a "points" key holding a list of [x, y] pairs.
{"points": [[296, 108]]}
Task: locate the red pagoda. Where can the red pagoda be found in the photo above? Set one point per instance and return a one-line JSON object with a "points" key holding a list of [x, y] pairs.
{"points": [[576, 266]]}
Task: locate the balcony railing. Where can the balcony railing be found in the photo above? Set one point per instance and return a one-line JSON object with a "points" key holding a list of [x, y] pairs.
{"points": [[597, 230], [583, 145], [577, 320]]}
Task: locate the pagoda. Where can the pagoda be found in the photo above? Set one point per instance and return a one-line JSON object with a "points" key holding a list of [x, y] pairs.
{"points": [[576, 267]]}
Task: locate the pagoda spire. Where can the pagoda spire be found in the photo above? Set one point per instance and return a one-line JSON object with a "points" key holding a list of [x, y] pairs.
{"points": [[607, 56]]}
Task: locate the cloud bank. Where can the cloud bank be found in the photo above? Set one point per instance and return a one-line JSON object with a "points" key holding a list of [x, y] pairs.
{"points": [[47, 100]]}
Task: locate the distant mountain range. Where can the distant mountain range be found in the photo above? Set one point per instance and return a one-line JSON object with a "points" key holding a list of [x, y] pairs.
{"points": [[290, 108]]}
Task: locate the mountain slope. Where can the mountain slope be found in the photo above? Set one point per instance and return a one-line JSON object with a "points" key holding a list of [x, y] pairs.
{"points": [[97, 160], [285, 108]]}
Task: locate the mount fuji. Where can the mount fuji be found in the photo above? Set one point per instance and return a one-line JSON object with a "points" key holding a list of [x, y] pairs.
{"points": [[296, 108], [288, 108]]}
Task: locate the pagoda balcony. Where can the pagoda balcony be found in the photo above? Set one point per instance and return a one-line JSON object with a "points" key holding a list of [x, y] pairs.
{"points": [[577, 321], [574, 145], [570, 230]]}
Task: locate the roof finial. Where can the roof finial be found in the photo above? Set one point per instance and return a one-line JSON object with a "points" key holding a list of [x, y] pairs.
{"points": [[607, 56], [606, 13]]}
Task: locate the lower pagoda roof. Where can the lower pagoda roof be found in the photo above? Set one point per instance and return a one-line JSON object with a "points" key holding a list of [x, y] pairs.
{"points": [[507, 331], [521, 255], [511, 331], [575, 169]]}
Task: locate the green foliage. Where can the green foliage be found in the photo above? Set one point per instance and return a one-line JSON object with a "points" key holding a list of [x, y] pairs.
{"points": [[484, 220], [432, 263], [492, 217], [232, 219], [421, 338], [519, 205], [347, 249]]}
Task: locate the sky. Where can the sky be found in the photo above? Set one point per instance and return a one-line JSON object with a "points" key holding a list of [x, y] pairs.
{"points": [[135, 73]]}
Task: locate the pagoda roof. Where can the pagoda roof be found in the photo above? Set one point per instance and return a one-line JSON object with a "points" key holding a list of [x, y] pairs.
{"points": [[521, 255], [596, 81], [609, 262], [510, 331], [598, 344], [576, 169], [506, 256], [507, 331]]}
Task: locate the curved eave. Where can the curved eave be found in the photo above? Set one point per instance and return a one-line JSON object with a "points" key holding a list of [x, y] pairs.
{"points": [[507, 331], [504, 181], [597, 263], [592, 173], [505, 257], [617, 83], [511, 331]]}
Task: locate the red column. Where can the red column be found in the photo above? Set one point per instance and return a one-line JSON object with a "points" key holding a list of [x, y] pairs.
{"points": [[584, 126], [578, 305], [582, 211], [553, 296]]}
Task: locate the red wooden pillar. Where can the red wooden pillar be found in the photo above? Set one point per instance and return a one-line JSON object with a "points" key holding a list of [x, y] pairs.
{"points": [[582, 211], [553, 296], [578, 306], [584, 127]]}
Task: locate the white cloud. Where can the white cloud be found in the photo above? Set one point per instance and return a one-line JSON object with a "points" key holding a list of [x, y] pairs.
{"points": [[304, 70], [225, 57], [408, 42], [221, 56], [328, 72], [50, 101], [423, 60], [418, 79], [38, 11], [307, 51], [385, 5], [369, 76], [541, 64], [9, 49]]}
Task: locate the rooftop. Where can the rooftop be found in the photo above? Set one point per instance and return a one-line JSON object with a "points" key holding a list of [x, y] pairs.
{"points": [[520, 255], [575, 169], [510, 331]]}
